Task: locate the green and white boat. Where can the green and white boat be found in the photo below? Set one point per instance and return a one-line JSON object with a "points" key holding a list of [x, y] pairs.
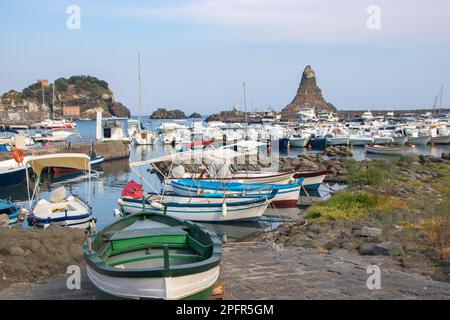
{"points": [[153, 256]]}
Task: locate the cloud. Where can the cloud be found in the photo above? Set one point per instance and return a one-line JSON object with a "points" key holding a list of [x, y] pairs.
{"points": [[316, 21]]}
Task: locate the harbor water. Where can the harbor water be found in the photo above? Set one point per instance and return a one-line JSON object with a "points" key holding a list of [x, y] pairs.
{"points": [[114, 175]]}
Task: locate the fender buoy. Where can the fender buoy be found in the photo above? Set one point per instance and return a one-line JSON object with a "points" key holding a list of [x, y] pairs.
{"points": [[19, 155]]}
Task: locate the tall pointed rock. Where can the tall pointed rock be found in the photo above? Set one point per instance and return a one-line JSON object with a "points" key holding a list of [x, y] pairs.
{"points": [[308, 95]]}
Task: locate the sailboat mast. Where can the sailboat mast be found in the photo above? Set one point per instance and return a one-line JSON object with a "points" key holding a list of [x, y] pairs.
{"points": [[139, 88], [53, 101]]}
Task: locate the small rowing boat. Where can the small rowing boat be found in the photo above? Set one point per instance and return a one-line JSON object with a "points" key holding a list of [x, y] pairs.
{"points": [[212, 208], [153, 256], [376, 149]]}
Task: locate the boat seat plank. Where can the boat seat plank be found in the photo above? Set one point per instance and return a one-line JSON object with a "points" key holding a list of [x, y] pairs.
{"points": [[155, 256], [141, 233]]}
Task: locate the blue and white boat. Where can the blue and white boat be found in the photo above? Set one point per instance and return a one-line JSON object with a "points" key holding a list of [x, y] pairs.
{"points": [[211, 208], [60, 209], [287, 195], [11, 213], [12, 173]]}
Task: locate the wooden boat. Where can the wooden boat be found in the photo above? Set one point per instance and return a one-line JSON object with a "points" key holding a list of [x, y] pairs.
{"points": [[286, 196], [153, 256], [10, 213], [60, 209], [201, 208], [376, 149]]}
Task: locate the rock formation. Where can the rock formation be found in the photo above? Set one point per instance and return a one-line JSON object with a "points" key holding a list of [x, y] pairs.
{"points": [[195, 115], [162, 113], [84, 91], [308, 95]]}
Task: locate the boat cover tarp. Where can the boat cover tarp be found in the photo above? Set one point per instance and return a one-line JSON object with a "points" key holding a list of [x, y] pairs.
{"points": [[133, 190], [67, 160]]}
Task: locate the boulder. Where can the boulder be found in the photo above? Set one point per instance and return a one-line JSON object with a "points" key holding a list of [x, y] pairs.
{"points": [[367, 249], [370, 232], [388, 248], [16, 251]]}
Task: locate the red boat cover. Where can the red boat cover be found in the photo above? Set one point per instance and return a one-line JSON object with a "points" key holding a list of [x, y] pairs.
{"points": [[133, 190]]}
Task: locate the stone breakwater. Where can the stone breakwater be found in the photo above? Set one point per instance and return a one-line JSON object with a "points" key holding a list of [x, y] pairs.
{"points": [[110, 150]]}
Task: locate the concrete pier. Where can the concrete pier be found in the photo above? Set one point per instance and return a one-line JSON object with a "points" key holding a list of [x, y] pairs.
{"points": [[110, 150]]}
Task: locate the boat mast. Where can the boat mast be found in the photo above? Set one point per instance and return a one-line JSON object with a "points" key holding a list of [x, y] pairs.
{"points": [[53, 101], [139, 89], [245, 101]]}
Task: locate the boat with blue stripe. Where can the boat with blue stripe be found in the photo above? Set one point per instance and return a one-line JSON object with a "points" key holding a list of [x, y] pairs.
{"points": [[287, 195], [212, 208]]}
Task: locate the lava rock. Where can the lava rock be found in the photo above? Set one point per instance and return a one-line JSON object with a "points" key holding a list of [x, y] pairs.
{"points": [[388, 248], [367, 249], [371, 232]]}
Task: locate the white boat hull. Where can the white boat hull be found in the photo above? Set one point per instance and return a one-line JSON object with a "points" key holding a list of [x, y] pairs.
{"points": [[216, 214], [299, 142], [337, 141], [440, 139], [360, 141], [167, 288], [382, 140], [385, 150], [422, 140], [284, 196]]}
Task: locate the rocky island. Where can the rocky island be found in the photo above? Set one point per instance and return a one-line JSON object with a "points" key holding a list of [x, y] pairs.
{"points": [[163, 113], [309, 95], [74, 97]]}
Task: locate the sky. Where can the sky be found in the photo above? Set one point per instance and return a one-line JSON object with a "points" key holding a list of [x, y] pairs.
{"points": [[195, 54]]}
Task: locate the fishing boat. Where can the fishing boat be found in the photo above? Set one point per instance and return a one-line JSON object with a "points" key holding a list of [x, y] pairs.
{"points": [[311, 179], [153, 256], [10, 213], [12, 172], [60, 209], [399, 140], [360, 140], [58, 124], [377, 140], [286, 196], [419, 140], [205, 210], [318, 142], [96, 162], [444, 139], [385, 150], [299, 140]]}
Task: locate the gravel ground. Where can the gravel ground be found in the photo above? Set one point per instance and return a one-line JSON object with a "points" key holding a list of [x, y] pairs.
{"points": [[267, 271]]}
